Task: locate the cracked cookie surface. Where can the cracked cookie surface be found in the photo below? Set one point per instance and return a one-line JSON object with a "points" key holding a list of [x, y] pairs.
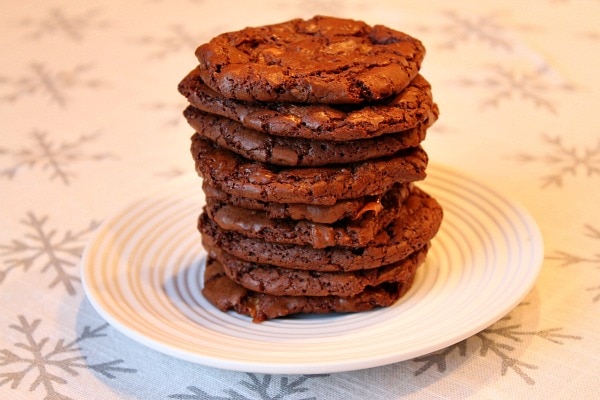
{"points": [[227, 295], [278, 281], [324, 214], [325, 185], [411, 107], [418, 222], [319, 60], [355, 232], [286, 151]]}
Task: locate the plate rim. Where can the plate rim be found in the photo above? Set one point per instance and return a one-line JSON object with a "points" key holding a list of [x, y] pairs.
{"points": [[323, 365]]}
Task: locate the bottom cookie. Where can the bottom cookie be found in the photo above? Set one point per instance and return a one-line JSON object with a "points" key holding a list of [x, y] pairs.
{"points": [[227, 295]]}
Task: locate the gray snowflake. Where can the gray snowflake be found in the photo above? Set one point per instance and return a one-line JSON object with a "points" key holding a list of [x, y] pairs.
{"points": [[47, 248], [57, 21], [55, 84], [51, 156], [569, 259], [172, 111], [495, 340], [51, 365], [564, 161], [265, 388], [459, 29], [503, 84], [172, 173], [178, 38]]}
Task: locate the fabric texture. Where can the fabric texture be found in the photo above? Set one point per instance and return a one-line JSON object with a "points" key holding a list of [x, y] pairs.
{"points": [[90, 120]]}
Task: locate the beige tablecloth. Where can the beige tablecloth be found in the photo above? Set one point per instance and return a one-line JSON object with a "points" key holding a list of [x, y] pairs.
{"points": [[90, 118]]}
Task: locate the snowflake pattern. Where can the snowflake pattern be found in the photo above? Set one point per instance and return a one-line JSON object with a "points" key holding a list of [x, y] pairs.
{"points": [[265, 388], [177, 39], [51, 365], [172, 173], [495, 340], [44, 246], [55, 84], [569, 259], [458, 29], [564, 161], [51, 156], [171, 110], [503, 84], [56, 21]]}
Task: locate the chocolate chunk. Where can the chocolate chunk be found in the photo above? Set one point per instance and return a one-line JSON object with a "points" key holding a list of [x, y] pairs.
{"points": [[354, 233], [418, 222], [351, 208]]}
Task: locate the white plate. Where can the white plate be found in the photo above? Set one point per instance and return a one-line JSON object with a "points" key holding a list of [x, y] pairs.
{"points": [[142, 271]]}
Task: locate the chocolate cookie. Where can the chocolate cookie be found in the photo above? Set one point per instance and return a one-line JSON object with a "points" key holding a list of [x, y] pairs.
{"points": [[351, 233], [351, 208], [238, 176], [320, 60], [412, 107], [227, 295], [418, 222], [277, 150], [278, 281]]}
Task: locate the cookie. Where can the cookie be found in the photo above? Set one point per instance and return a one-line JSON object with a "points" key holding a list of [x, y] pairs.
{"points": [[278, 281], [353, 233], [227, 295], [408, 109], [259, 146], [320, 60], [239, 176], [351, 208], [418, 222]]}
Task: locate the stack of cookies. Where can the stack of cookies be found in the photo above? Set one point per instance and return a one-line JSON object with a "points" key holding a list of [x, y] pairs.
{"points": [[307, 140]]}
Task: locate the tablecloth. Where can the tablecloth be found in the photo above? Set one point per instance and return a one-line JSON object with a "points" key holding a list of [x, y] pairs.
{"points": [[90, 118]]}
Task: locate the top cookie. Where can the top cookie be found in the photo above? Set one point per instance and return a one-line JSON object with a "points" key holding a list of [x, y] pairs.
{"points": [[320, 60]]}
